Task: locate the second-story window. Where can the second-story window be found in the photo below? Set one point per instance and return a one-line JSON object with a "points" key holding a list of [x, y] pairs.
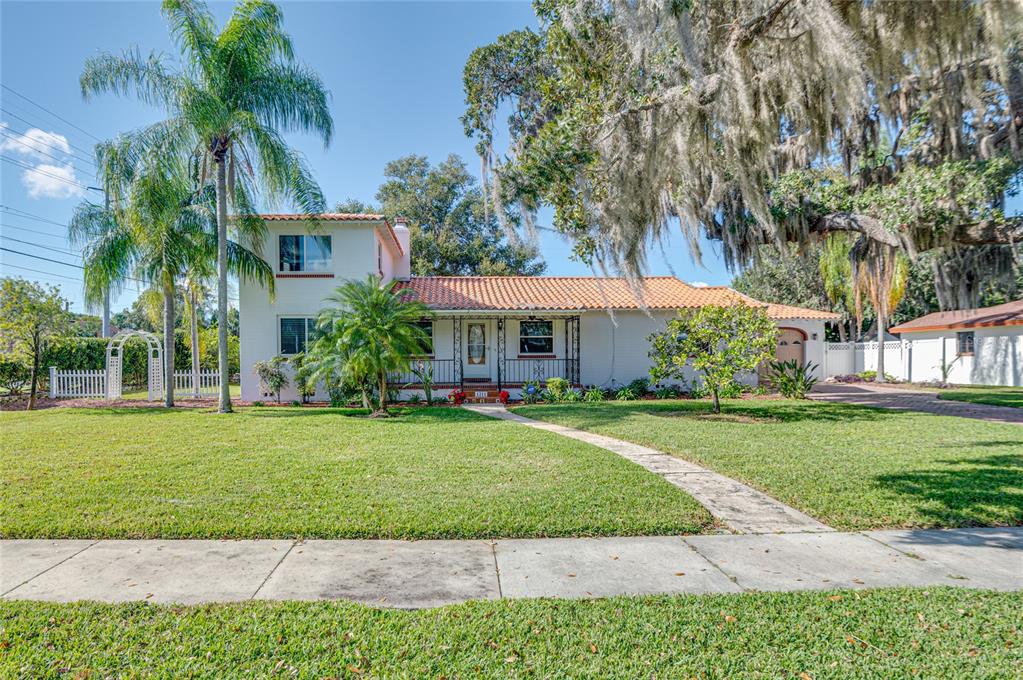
{"points": [[304, 253]]}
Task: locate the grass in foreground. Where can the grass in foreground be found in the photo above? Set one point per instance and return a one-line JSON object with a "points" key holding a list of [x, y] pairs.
{"points": [[980, 394], [865, 634], [848, 466], [290, 472]]}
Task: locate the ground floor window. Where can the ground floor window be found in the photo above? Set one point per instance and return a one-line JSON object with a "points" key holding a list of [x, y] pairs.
{"points": [[296, 333], [536, 337], [427, 327], [964, 342]]}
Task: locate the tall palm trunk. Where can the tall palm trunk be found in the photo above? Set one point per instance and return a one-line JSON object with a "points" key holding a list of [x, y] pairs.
{"points": [[194, 328], [168, 343], [222, 366]]}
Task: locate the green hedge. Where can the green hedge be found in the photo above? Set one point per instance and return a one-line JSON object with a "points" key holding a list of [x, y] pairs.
{"points": [[84, 354]]}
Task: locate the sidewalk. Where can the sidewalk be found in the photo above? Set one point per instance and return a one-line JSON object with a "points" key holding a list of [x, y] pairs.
{"points": [[433, 573]]}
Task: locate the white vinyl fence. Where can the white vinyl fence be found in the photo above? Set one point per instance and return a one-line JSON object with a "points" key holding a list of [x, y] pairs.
{"points": [[209, 384], [73, 384], [81, 384], [917, 360]]}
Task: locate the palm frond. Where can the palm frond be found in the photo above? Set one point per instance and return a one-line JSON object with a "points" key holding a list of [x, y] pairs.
{"points": [[131, 73]]}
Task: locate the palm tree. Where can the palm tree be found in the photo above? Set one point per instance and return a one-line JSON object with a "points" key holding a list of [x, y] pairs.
{"points": [[159, 230], [236, 92], [369, 332]]}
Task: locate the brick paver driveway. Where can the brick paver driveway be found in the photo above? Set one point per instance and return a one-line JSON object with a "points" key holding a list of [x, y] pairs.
{"points": [[912, 400]]}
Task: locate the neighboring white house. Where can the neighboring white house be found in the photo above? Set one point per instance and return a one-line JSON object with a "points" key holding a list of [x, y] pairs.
{"points": [[977, 346], [489, 332]]}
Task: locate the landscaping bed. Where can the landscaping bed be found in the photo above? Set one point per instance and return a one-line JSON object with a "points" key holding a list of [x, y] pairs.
{"points": [[850, 467], [318, 472], [941, 632]]}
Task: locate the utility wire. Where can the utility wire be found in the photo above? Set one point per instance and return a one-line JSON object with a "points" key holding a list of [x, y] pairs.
{"points": [[33, 168], [39, 151], [58, 117], [31, 124], [39, 271], [4, 237], [40, 257], [30, 216], [33, 231]]}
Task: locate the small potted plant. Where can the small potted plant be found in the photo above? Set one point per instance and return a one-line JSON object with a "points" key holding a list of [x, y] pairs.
{"points": [[503, 396]]}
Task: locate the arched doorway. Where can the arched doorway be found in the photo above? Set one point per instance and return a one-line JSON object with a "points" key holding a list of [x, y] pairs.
{"points": [[791, 346], [115, 354]]}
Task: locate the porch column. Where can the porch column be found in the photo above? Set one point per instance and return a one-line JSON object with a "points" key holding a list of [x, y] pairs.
{"points": [[500, 352], [456, 334], [577, 365]]}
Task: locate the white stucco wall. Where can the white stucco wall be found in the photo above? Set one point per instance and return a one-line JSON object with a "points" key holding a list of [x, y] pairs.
{"points": [[353, 256], [997, 360]]}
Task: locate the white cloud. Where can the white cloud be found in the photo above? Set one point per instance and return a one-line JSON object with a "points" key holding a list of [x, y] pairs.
{"points": [[52, 174], [52, 181], [35, 143], [699, 284]]}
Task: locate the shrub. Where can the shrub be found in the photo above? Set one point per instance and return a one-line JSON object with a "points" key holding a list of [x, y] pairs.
{"points": [[456, 396], [871, 376], [14, 375], [793, 380], [573, 395], [640, 387], [531, 392], [272, 376], [668, 392], [594, 395], [296, 402], [557, 389], [503, 396], [625, 394], [732, 390], [415, 399], [258, 403]]}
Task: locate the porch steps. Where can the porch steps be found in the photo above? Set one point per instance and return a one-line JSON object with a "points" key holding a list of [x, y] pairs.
{"points": [[481, 393]]}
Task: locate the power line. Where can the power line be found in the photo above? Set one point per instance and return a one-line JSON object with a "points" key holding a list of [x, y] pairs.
{"points": [[57, 116], [40, 257], [30, 123], [33, 168], [30, 216], [36, 245], [33, 231], [39, 271], [39, 151]]}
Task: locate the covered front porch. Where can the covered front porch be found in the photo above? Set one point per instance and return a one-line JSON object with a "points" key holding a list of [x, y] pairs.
{"points": [[496, 351]]}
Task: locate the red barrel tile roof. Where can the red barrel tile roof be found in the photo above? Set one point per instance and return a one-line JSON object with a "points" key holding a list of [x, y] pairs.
{"points": [[577, 293]]}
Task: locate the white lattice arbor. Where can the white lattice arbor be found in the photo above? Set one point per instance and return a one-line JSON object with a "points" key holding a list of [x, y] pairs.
{"points": [[115, 354]]}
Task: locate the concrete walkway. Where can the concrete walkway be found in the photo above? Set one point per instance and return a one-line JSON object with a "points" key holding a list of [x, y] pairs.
{"points": [[901, 399], [739, 507], [433, 573]]}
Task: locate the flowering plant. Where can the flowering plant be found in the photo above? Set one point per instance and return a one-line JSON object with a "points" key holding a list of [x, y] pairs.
{"points": [[503, 396], [457, 396]]}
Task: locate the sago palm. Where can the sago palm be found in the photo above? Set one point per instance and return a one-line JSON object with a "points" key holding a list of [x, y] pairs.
{"points": [[369, 331], [234, 94]]}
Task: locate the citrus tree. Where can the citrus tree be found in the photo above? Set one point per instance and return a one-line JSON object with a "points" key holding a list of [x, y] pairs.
{"points": [[717, 342]]}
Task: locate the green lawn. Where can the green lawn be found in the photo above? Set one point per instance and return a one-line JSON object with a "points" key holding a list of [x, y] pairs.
{"points": [[981, 394], [940, 633], [850, 467], [317, 472]]}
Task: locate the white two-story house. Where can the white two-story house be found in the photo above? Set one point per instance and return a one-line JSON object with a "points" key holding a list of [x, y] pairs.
{"points": [[488, 333]]}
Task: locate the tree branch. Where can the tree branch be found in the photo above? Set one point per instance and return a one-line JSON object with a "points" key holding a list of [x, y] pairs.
{"points": [[859, 224], [990, 232], [980, 233]]}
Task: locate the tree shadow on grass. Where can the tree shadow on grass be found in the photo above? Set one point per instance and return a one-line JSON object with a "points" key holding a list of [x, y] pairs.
{"points": [[421, 414], [984, 491]]}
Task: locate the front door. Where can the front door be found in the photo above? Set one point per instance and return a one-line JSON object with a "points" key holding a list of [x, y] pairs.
{"points": [[477, 350]]}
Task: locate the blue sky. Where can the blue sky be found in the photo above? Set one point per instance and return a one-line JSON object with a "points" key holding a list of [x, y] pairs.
{"points": [[394, 71]]}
